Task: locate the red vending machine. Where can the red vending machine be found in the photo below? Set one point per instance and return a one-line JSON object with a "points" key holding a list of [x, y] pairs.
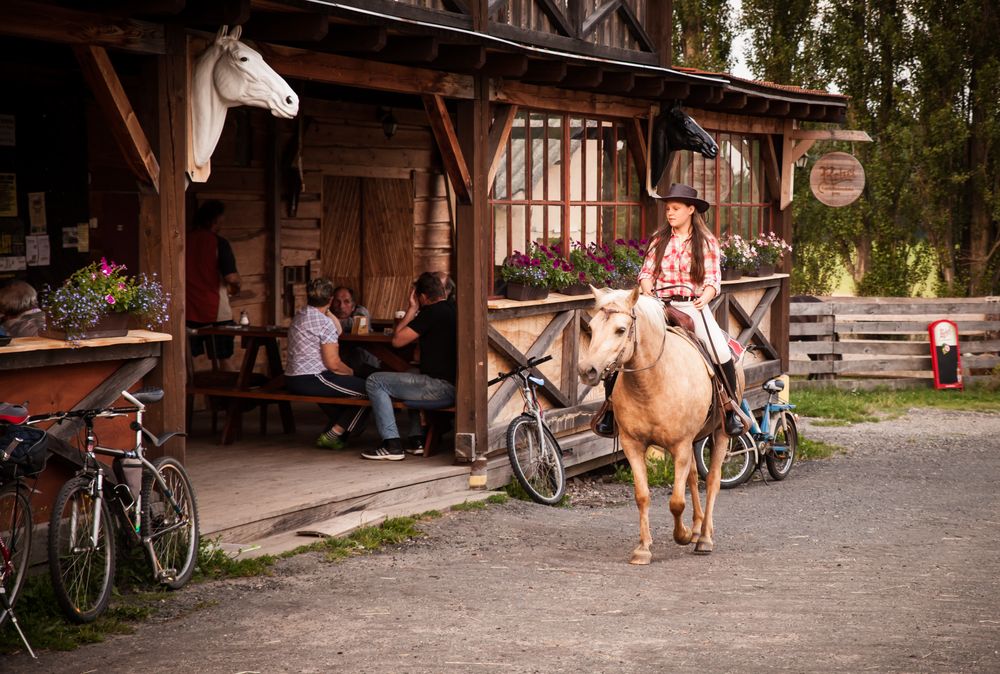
{"points": [[945, 358]]}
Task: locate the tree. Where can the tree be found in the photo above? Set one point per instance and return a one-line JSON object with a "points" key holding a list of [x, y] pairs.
{"points": [[703, 34]]}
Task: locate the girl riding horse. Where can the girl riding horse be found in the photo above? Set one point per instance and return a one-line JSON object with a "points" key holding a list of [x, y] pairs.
{"points": [[682, 265]]}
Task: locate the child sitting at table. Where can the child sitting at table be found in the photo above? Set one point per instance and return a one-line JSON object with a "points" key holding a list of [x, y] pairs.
{"points": [[315, 367]]}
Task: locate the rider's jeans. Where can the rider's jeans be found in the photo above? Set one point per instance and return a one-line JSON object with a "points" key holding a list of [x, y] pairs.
{"points": [[382, 387], [720, 340]]}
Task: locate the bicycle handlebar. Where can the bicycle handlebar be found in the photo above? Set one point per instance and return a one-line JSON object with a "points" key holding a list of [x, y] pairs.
{"points": [[59, 417], [532, 362]]}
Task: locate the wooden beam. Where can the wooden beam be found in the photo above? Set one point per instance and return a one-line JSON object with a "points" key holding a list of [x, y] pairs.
{"points": [[852, 135], [69, 26], [779, 108], [286, 27], [161, 231], [356, 38], [703, 94], [648, 87], [659, 18], [771, 172], [677, 91], [733, 101], [505, 65], [545, 72], [217, 12], [459, 6], [791, 151], [756, 106], [118, 113], [636, 137], [635, 28], [617, 82], [495, 6], [503, 122], [798, 110], [598, 16], [447, 142], [410, 49], [583, 77], [139, 7], [556, 16], [461, 57], [336, 69], [585, 103]]}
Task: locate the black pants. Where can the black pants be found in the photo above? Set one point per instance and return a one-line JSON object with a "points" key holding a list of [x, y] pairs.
{"points": [[330, 384]]}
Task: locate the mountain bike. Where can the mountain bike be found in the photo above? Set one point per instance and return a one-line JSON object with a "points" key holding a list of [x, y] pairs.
{"points": [[153, 502], [775, 439], [535, 455], [23, 454]]}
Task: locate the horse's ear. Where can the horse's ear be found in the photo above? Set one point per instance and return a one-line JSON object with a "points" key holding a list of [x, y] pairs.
{"points": [[634, 297], [237, 31], [222, 33], [598, 292]]}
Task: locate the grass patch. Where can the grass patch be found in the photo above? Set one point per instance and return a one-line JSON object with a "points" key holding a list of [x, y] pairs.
{"points": [[816, 449], [833, 406], [497, 499], [514, 490], [214, 563], [659, 472], [466, 506]]}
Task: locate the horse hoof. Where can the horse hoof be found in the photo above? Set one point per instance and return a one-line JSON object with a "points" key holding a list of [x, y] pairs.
{"points": [[704, 547], [695, 538], [685, 538], [641, 557]]}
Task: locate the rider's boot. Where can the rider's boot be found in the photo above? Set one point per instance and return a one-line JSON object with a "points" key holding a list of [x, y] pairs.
{"points": [[604, 425], [734, 424]]}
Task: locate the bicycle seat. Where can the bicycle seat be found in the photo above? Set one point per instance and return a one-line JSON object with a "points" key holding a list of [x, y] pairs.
{"points": [[773, 385], [13, 414], [148, 395]]}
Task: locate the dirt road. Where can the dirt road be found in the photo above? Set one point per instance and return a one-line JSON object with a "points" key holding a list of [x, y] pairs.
{"points": [[884, 559]]}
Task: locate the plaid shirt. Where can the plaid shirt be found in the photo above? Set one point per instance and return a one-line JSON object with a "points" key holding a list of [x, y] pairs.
{"points": [[310, 329], [676, 267]]}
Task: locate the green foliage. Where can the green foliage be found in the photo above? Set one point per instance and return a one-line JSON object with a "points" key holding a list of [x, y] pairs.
{"points": [[815, 449], [659, 472], [497, 499], [214, 563], [861, 406], [703, 34], [466, 506]]}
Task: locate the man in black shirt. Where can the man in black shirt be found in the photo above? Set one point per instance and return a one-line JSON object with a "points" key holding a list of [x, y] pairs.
{"points": [[434, 326]]}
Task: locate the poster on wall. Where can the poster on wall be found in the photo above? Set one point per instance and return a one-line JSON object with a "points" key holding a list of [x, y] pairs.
{"points": [[69, 235], [12, 263], [83, 237], [36, 212], [7, 131], [37, 251], [8, 195]]}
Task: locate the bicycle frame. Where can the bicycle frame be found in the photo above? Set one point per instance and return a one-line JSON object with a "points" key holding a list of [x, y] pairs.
{"points": [[762, 433]]}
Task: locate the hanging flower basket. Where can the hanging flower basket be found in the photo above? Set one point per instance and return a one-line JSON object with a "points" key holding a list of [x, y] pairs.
{"points": [[524, 293]]}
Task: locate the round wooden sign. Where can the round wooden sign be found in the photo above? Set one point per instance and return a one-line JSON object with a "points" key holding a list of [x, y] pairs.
{"points": [[837, 179]]}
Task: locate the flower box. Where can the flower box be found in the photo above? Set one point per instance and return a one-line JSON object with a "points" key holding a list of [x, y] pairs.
{"points": [[576, 289], [731, 274], [112, 324], [763, 270], [524, 293]]}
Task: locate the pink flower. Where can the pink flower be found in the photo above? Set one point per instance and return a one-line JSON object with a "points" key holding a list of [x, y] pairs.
{"points": [[109, 299], [121, 286]]}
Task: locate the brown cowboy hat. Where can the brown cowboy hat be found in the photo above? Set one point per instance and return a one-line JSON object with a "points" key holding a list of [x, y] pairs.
{"points": [[683, 194]]}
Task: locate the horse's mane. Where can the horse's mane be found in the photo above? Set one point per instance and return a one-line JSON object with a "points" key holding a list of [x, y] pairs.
{"points": [[648, 307]]}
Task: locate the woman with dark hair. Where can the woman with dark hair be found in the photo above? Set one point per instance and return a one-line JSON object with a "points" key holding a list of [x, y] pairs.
{"points": [[19, 308], [316, 369], [683, 265]]}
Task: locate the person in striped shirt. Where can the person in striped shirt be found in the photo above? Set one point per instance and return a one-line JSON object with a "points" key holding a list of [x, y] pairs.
{"points": [[683, 264]]}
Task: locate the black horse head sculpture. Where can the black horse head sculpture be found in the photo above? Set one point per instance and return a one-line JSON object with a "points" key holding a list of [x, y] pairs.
{"points": [[674, 130]]}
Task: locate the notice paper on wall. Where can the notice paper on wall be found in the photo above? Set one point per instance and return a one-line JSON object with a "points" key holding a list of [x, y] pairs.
{"points": [[7, 131], [36, 249], [69, 236], [83, 237], [8, 195], [36, 212], [12, 263]]}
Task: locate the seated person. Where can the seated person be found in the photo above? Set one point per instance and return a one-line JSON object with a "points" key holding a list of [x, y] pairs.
{"points": [[19, 306], [434, 327], [346, 310], [315, 367], [449, 285], [212, 279]]}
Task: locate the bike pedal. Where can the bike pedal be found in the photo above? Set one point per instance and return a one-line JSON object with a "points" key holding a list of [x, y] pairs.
{"points": [[167, 576]]}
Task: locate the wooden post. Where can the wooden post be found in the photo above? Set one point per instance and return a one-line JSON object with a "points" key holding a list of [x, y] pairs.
{"points": [[660, 22], [780, 309], [472, 243], [162, 230]]}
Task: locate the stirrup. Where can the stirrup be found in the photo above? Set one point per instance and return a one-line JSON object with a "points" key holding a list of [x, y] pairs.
{"points": [[603, 422]]}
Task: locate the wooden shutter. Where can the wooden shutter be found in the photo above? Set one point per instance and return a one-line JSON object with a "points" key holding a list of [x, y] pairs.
{"points": [[340, 235], [387, 248]]}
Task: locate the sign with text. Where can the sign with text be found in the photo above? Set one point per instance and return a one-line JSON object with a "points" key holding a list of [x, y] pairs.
{"points": [[837, 179]]}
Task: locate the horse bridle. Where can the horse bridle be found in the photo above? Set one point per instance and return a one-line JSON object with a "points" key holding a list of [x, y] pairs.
{"points": [[616, 365]]}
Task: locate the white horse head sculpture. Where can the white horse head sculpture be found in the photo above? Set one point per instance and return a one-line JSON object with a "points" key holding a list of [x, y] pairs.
{"points": [[229, 74]]}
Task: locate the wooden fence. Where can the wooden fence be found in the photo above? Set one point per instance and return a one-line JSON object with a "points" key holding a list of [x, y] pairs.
{"points": [[867, 341]]}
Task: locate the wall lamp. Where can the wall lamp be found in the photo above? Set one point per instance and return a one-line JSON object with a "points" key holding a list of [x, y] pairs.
{"points": [[388, 120]]}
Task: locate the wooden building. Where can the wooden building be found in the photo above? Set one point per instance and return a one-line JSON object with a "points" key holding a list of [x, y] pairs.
{"points": [[432, 135]]}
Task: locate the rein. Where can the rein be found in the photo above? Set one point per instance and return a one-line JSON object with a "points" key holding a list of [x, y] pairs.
{"points": [[616, 365]]}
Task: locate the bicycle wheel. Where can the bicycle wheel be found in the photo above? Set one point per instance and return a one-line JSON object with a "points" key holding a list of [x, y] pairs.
{"points": [[786, 444], [81, 558], [536, 459], [15, 543], [739, 464], [176, 549]]}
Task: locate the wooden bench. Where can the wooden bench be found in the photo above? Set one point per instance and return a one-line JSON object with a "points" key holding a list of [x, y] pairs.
{"points": [[266, 395]]}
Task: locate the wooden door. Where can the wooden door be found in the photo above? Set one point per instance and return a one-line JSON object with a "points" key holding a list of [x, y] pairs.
{"points": [[366, 241]]}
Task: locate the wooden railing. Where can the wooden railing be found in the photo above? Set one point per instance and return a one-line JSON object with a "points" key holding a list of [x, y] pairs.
{"points": [[866, 342]]}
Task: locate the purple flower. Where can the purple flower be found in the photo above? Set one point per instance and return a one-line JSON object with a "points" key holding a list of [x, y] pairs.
{"points": [[109, 299]]}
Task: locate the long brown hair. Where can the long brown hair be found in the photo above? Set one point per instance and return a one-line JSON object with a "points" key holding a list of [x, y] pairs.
{"points": [[700, 236]]}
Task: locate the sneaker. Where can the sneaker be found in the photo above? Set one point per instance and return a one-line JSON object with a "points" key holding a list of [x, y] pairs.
{"points": [[415, 445], [326, 442], [389, 450]]}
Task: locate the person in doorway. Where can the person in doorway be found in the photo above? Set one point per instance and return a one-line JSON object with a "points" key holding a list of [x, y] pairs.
{"points": [[212, 279], [19, 308], [683, 265], [434, 326], [449, 285], [316, 369], [346, 310]]}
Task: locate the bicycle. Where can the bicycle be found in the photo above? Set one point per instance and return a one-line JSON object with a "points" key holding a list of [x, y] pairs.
{"points": [[775, 440], [23, 454], [153, 501], [535, 455]]}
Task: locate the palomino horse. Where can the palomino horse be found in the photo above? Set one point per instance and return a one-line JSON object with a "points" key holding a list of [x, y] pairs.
{"points": [[662, 397], [226, 75]]}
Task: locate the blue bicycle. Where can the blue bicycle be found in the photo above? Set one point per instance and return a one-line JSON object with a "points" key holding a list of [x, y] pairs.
{"points": [[775, 439]]}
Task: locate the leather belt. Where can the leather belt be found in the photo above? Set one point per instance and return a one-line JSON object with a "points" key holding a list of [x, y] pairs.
{"points": [[679, 298]]}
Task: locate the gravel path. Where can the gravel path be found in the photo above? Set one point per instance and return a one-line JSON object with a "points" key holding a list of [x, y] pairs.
{"points": [[886, 558]]}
